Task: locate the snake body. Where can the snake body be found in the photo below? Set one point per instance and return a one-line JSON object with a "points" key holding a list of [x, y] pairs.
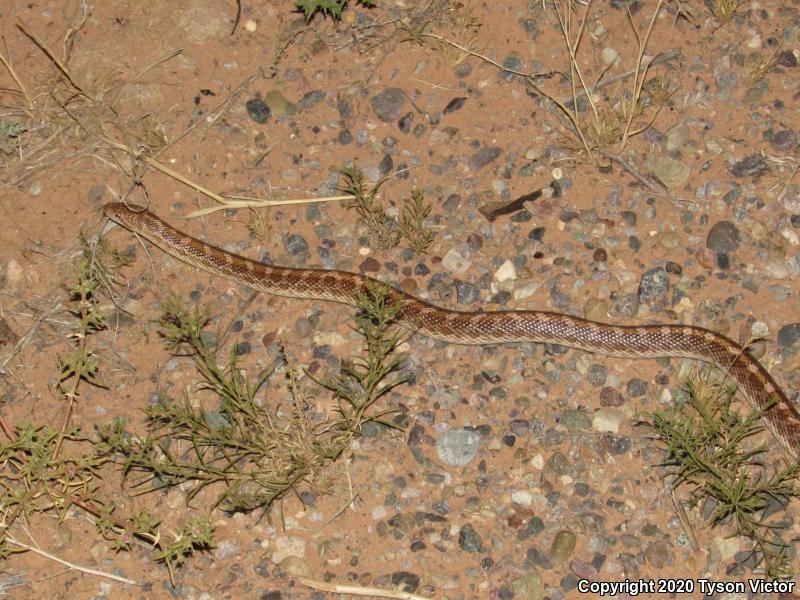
{"points": [[494, 327]]}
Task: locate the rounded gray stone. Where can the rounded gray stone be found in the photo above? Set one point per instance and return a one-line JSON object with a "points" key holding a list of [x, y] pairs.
{"points": [[389, 103], [457, 447]]}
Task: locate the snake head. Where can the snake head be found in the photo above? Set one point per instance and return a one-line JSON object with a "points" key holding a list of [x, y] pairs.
{"points": [[115, 211], [122, 213]]}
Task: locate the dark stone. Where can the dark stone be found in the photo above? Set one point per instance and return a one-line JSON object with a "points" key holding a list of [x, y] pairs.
{"points": [[311, 99], [466, 293], [388, 104], [406, 581], [469, 540], [723, 237], [405, 122], [750, 166], [653, 286], [454, 104], [483, 157], [788, 335], [258, 110], [295, 244]]}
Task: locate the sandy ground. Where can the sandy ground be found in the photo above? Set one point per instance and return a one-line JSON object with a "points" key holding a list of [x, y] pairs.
{"points": [[696, 219]]}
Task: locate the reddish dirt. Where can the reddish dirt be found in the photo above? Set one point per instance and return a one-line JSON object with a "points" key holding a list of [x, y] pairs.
{"points": [[393, 519]]}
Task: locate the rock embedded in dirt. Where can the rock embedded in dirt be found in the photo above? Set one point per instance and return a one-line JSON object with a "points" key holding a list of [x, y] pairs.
{"points": [[388, 104]]}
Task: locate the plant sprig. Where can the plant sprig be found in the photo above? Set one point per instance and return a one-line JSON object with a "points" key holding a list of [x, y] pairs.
{"points": [[333, 8], [706, 450], [385, 231], [249, 454], [48, 470]]}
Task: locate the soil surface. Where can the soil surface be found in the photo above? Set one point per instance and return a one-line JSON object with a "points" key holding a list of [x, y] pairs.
{"points": [[516, 471]]}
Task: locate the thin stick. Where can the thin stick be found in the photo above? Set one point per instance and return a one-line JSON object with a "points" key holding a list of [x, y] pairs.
{"points": [[164, 169], [637, 81], [638, 176], [261, 203], [67, 44], [530, 78], [566, 27], [70, 565], [6, 60], [357, 590], [660, 58], [43, 47]]}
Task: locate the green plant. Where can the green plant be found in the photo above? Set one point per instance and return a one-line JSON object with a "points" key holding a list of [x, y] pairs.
{"points": [[48, 470], [249, 453], [385, 231], [708, 449], [363, 380], [328, 7], [412, 222], [93, 272], [382, 228], [10, 136]]}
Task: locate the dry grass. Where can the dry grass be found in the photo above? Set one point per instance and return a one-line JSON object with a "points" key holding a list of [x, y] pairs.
{"points": [[724, 10], [758, 65], [462, 28], [607, 123]]}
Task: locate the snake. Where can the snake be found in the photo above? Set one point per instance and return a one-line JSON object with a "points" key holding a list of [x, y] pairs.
{"points": [[485, 327]]}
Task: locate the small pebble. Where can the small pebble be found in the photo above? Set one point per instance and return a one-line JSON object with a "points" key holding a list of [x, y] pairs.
{"points": [[388, 104], [457, 447]]}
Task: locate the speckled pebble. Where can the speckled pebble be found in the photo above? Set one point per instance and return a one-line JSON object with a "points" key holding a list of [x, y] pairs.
{"points": [[466, 293], [575, 420], [457, 447], [469, 540], [311, 99], [405, 581], [597, 374], [653, 286], [783, 140], [753, 165], [295, 244], [513, 62], [636, 388], [258, 110], [405, 122], [788, 335], [558, 464], [610, 397], [624, 304]]}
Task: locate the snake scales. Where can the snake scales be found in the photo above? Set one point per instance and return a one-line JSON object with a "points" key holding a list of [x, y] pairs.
{"points": [[651, 341]]}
